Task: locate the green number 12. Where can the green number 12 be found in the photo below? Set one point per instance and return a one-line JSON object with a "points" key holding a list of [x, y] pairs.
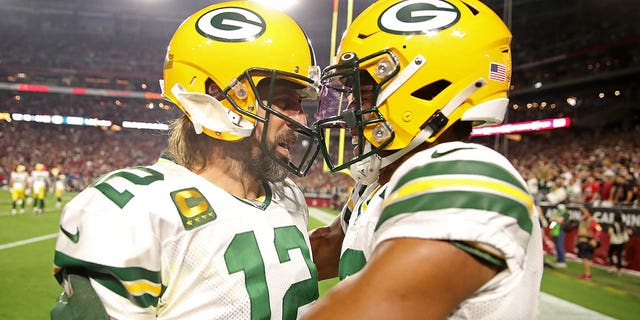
{"points": [[243, 254]]}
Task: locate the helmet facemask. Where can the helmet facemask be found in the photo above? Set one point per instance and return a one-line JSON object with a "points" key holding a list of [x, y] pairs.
{"points": [[274, 91], [348, 103]]}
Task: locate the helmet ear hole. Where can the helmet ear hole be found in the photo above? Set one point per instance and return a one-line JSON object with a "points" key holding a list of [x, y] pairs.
{"points": [[474, 11], [214, 90], [431, 90]]}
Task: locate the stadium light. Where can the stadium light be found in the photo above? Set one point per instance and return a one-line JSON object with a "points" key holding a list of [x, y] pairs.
{"points": [[528, 126]]}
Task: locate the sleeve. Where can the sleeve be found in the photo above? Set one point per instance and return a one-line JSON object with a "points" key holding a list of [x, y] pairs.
{"points": [[470, 196], [117, 248]]}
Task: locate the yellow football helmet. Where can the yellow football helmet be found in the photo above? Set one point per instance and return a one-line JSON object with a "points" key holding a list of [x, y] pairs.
{"points": [[430, 62], [235, 45], [40, 167], [21, 168]]}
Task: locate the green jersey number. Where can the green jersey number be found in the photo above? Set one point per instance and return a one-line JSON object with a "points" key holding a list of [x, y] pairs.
{"points": [[243, 254], [351, 262], [122, 198]]}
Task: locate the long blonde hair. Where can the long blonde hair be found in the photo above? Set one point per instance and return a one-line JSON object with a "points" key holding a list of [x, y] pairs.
{"points": [[187, 148]]}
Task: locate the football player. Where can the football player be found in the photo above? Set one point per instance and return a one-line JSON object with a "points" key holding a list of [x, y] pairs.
{"points": [[18, 183], [437, 227], [215, 229], [40, 183], [59, 185]]}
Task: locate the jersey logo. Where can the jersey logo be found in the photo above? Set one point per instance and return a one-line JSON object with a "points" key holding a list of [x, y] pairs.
{"points": [[231, 24], [418, 17], [193, 207], [74, 237], [437, 154]]}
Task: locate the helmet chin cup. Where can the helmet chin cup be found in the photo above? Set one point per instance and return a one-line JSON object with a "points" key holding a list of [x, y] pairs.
{"points": [[367, 170]]}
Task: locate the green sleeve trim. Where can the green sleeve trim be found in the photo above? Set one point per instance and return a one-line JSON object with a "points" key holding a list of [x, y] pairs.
{"points": [[113, 277], [483, 255]]}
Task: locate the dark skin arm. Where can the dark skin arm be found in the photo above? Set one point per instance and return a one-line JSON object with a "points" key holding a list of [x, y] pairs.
{"points": [[326, 243], [406, 278]]}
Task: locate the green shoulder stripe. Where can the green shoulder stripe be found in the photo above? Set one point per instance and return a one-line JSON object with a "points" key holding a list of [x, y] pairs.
{"points": [[141, 286], [461, 200], [470, 167]]}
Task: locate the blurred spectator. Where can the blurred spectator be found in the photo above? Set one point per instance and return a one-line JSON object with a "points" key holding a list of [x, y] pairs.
{"points": [[618, 236], [625, 190], [556, 226], [589, 231]]}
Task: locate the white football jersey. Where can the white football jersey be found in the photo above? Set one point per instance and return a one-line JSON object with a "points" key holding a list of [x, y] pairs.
{"points": [[19, 180], [161, 241], [59, 185], [464, 193], [39, 179]]}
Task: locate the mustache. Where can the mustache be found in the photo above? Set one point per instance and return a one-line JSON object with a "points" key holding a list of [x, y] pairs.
{"points": [[287, 138]]}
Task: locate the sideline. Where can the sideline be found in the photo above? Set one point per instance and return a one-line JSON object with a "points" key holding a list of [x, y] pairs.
{"points": [[550, 307], [28, 241]]}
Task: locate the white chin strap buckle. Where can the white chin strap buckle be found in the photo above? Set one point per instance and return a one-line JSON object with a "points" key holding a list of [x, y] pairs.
{"points": [[366, 171]]}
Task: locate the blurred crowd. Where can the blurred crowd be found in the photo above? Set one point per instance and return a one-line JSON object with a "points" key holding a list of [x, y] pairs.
{"points": [[108, 108], [81, 153], [118, 62], [593, 167]]}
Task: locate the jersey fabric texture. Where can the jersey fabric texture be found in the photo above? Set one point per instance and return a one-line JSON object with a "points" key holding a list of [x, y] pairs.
{"points": [[162, 242], [469, 195]]}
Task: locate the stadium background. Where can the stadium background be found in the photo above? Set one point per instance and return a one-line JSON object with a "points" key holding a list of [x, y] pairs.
{"points": [[79, 90]]}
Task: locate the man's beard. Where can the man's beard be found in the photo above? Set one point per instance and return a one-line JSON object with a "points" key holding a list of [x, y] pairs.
{"points": [[257, 162]]}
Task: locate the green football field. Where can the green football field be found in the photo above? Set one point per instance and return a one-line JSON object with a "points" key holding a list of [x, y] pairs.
{"points": [[29, 289]]}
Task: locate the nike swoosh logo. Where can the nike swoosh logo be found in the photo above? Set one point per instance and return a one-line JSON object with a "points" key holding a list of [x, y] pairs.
{"points": [[437, 154], [74, 237]]}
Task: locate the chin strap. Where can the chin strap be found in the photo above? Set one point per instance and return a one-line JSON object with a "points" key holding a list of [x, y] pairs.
{"points": [[367, 170], [207, 112]]}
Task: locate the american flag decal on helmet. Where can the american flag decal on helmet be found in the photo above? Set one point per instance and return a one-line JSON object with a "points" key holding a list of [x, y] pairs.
{"points": [[497, 72]]}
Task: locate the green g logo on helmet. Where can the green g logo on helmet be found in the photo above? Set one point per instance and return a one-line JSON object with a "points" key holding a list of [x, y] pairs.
{"points": [[418, 17], [231, 24]]}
